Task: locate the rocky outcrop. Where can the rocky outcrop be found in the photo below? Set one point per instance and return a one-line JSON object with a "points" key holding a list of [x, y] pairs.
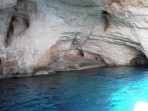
{"points": [[43, 36]]}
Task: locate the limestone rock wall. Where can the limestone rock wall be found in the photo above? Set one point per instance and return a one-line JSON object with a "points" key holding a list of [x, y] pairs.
{"points": [[43, 36]]}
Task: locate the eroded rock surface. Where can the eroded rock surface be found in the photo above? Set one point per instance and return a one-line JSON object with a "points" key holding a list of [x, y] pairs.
{"points": [[43, 36]]}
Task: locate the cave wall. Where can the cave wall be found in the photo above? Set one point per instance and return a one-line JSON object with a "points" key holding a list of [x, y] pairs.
{"points": [[43, 36]]}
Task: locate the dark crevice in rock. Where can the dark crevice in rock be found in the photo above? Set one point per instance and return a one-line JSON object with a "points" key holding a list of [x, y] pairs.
{"points": [[9, 33], [80, 53], [20, 19], [139, 60], [18, 24], [1, 67], [24, 17], [96, 58], [107, 18]]}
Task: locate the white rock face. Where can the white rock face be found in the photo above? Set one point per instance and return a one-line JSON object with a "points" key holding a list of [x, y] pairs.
{"points": [[53, 35]]}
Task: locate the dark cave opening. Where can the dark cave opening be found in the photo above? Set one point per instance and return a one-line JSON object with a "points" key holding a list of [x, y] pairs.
{"points": [[140, 60]]}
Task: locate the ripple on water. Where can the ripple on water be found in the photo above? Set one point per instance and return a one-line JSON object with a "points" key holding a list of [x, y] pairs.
{"points": [[104, 89]]}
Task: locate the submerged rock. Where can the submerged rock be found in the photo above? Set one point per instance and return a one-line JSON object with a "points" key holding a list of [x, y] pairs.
{"points": [[55, 35]]}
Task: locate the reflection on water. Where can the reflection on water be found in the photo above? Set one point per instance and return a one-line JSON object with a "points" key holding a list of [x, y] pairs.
{"points": [[105, 89], [141, 106]]}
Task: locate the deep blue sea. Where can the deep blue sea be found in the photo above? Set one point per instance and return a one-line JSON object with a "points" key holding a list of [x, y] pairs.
{"points": [[104, 89]]}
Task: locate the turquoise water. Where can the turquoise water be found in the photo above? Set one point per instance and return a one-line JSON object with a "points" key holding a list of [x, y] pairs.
{"points": [[105, 89]]}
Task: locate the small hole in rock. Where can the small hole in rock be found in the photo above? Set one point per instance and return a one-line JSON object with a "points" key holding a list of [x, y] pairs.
{"points": [[96, 58], [80, 53]]}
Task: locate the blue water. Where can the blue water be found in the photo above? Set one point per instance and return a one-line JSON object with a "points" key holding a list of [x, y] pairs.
{"points": [[105, 89]]}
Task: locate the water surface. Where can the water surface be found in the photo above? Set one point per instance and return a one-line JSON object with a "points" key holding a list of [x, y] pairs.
{"points": [[104, 89]]}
